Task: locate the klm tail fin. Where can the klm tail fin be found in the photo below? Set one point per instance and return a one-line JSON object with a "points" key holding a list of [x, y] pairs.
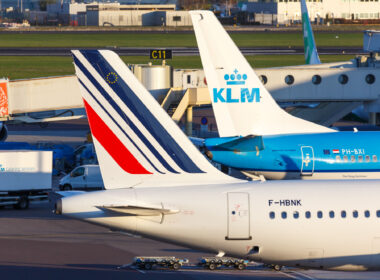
{"points": [[137, 143], [242, 105], [311, 53]]}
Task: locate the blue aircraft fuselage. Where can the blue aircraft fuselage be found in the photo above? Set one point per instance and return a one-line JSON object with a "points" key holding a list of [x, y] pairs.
{"points": [[336, 155]]}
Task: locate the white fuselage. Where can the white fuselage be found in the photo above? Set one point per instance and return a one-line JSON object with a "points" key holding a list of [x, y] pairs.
{"points": [[237, 219]]}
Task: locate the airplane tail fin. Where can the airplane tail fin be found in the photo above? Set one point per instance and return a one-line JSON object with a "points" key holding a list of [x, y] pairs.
{"points": [[137, 143], [311, 53], [242, 105]]}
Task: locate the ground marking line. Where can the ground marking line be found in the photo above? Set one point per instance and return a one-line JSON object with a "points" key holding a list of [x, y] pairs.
{"points": [[305, 275], [289, 275], [143, 272]]}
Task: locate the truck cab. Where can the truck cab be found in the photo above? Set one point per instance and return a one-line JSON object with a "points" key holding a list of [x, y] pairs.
{"points": [[84, 177]]}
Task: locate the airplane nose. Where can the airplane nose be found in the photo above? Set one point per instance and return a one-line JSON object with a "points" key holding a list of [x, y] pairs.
{"points": [[58, 207]]}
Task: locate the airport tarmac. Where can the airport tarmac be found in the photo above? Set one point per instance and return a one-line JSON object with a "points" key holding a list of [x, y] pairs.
{"points": [[37, 244]]}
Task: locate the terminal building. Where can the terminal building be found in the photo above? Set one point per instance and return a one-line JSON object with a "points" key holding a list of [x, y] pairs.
{"points": [[289, 11], [115, 14], [92, 13]]}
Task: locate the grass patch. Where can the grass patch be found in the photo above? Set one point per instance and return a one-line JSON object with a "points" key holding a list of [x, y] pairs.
{"points": [[98, 40], [26, 67]]}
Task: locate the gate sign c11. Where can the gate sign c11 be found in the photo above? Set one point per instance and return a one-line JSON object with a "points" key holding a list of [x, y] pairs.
{"points": [[160, 54]]}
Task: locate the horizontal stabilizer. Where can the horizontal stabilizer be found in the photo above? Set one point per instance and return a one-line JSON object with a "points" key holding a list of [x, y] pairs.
{"points": [[245, 144], [197, 142], [249, 143], [137, 210], [64, 194]]}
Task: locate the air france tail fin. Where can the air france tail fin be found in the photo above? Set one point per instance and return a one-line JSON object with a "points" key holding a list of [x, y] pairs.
{"points": [[311, 53], [242, 105], [137, 143]]}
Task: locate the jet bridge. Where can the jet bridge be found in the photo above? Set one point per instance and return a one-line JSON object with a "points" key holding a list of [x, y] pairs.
{"points": [[40, 100], [321, 93]]}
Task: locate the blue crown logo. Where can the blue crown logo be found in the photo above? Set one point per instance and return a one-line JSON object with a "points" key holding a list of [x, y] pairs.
{"points": [[235, 79]]}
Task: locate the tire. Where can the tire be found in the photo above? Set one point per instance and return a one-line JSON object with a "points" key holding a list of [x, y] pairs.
{"points": [[277, 267], [211, 266], [67, 188], [23, 203], [241, 266], [148, 266], [176, 266]]}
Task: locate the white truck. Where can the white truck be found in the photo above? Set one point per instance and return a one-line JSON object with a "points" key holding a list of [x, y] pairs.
{"points": [[25, 175]]}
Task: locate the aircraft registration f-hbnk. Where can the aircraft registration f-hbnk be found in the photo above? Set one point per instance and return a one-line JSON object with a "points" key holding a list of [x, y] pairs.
{"points": [[160, 186], [257, 136]]}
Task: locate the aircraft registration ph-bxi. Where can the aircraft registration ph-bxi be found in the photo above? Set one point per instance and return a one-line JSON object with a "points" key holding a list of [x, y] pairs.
{"points": [[257, 136], [160, 186]]}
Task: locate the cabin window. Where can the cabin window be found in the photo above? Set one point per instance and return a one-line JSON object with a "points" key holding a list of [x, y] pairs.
{"points": [[345, 158], [374, 158], [360, 158], [289, 80], [370, 79], [343, 79], [283, 215], [308, 214], [331, 214], [343, 214], [366, 214], [272, 215], [263, 79], [355, 214], [316, 79], [337, 158], [367, 159], [296, 214], [319, 214], [353, 159]]}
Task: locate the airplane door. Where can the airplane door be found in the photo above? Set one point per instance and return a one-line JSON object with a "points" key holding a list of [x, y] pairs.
{"points": [[238, 223], [307, 167]]}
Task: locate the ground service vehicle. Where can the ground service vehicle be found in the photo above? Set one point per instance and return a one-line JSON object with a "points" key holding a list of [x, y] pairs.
{"points": [[25, 175], [85, 177], [149, 262], [214, 262]]}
